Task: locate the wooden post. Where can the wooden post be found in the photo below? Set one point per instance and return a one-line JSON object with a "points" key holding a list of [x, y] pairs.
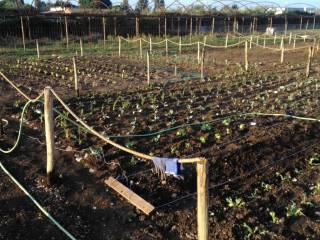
{"points": [[180, 42], [300, 23], [282, 43], [203, 57], [38, 51], [285, 25], [309, 62], [104, 31], [137, 27], [227, 39], [178, 26], [119, 46], [150, 45], [198, 57], [89, 30], [191, 28], [167, 50], [49, 129], [271, 22], [22, 32], [307, 25], [314, 46], [246, 56], [81, 48], [251, 38], [294, 41], [212, 26], [264, 42], [314, 22], [140, 43], [257, 42], [148, 68], [290, 38], [76, 83], [66, 28], [275, 39], [282, 55], [202, 199]]}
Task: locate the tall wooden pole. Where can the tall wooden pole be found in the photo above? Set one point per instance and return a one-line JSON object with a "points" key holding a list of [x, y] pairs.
{"points": [[159, 26], [22, 32], [38, 51], [227, 39], [66, 28], [148, 68], [202, 200], [309, 62], [212, 26], [246, 56], [29, 28], [76, 83], [115, 26], [104, 30], [314, 23], [119, 48], [49, 130], [178, 26], [140, 46], [165, 27], [282, 55], [81, 48], [300, 23], [137, 26]]}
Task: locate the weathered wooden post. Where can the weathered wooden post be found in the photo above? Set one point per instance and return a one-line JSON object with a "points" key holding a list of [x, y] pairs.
{"points": [[148, 68], [150, 42], [178, 26], [198, 56], [309, 62], [246, 56], [202, 58], [251, 38], [140, 43], [290, 38], [66, 28], [49, 130], [294, 41], [301, 23], [89, 30], [159, 26], [38, 51], [257, 42], [76, 83], [202, 199], [307, 25], [104, 30], [81, 48], [119, 46], [314, 22], [137, 27], [23, 35], [282, 54], [226, 42], [180, 45], [285, 25], [212, 26], [275, 39], [29, 28], [167, 50], [264, 42]]}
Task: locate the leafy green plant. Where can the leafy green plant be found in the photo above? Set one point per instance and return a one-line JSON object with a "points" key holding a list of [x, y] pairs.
{"points": [[250, 232], [217, 136], [236, 203], [205, 127], [203, 139], [274, 218], [293, 210], [314, 160]]}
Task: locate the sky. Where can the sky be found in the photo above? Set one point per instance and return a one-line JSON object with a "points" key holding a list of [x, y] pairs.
{"points": [[279, 2]]}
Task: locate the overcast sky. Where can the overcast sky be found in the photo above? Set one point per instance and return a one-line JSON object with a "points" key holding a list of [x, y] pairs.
{"points": [[279, 2]]}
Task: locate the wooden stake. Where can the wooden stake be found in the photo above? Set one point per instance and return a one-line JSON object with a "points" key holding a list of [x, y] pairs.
{"points": [[198, 57], [190, 32], [300, 23], [314, 22], [104, 31], [246, 56], [251, 38], [178, 26], [203, 57], [66, 28], [202, 199], [119, 46], [227, 39], [23, 36], [180, 42], [212, 26], [167, 50], [159, 26], [38, 51], [148, 68], [137, 27], [294, 41], [115, 26], [150, 44], [282, 43], [290, 38], [81, 48], [76, 88], [264, 42], [257, 40], [29, 29], [309, 62], [282, 55], [140, 43], [275, 39], [49, 130]]}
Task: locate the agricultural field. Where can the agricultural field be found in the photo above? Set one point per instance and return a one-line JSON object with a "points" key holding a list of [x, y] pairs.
{"points": [[257, 128]]}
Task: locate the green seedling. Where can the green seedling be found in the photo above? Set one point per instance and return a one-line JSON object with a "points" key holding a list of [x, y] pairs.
{"points": [[293, 210], [203, 139], [250, 232], [205, 127], [274, 218], [236, 203]]}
